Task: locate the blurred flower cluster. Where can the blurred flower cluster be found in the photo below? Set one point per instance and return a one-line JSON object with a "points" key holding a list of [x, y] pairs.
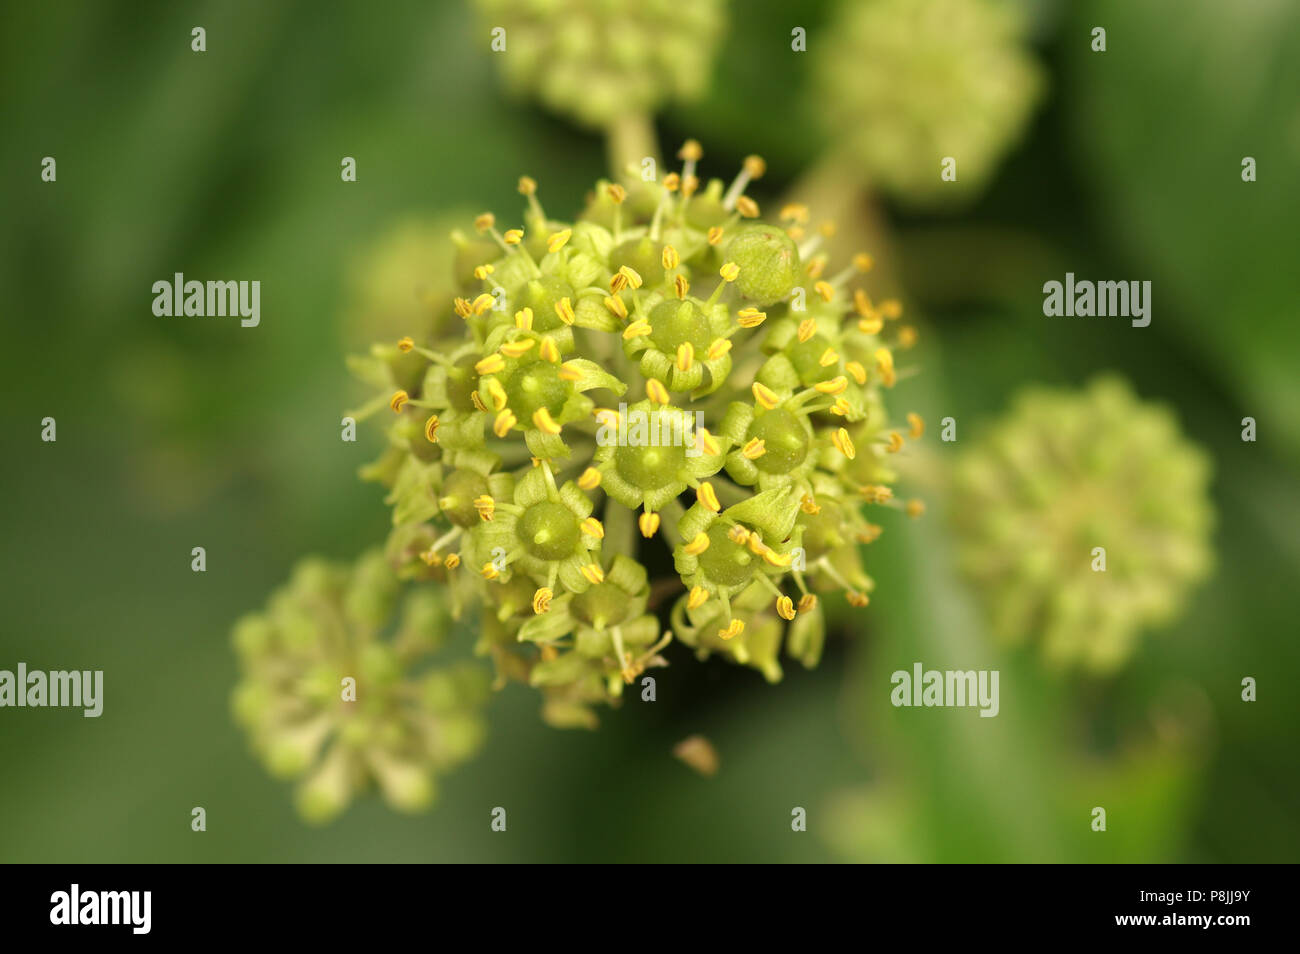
{"points": [[1066, 473]]}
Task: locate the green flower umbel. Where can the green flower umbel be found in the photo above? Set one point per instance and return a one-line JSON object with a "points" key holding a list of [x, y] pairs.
{"points": [[1068, 473], [595, 60], [906, 83], [667, 373], [337, 692]]}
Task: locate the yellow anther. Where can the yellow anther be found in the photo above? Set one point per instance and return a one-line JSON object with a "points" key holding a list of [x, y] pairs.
{"points": [[841, 407], [593, 573], [497, 393], [617, 283], [477, 401], [835, 385], [916, 425], [655, 391], [794, 212], [715, 235], [632, 275], [697, 598], [672, 182], [892, 308], [785, 607], [915, 508], [689, 185], [542, 600], [828, 228], [517, 349], [431, 429], [807, 328], [708, 496], [755, 449], [492, 364], [649, 524], [807, 603], [398, 401], [513, 236], [527, 185], [569, 372], [856, 369], [809, 506], [747, 207], [564, 308], [719, 347], [816, 267], [829, 357], [738, 535], [707, 443], [452, 561], [486, 506], [485, 221], [543, 421], [462, 307], [616, 306], [504, 422], [690, 151], [870, 533], [844, 444], [483, 271], [773, 558], [431, 558], [862, 304], [754, 167], [549, 351], [590, 479], [863, 262], [734, 628], [669, 258], [606, 416], [483, 303], [750, 317], [729, 272], [895, 442], [593, 528], [548, 653], [489, 571], [406, 344], [825, 289], [558, 240], [524, 319], [681, 286], [857, 599], [616, 192], [906, 337], [685, 356], [885, 365], [877, 493], [870, 326], [765, 396], [640, 328], [698, 545]]}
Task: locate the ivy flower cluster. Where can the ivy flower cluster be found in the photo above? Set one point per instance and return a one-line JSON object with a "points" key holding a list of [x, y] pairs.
{"points": [[662, 420]]}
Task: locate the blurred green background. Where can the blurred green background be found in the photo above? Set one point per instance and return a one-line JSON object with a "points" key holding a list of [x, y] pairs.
{"points": [[175, 434]]}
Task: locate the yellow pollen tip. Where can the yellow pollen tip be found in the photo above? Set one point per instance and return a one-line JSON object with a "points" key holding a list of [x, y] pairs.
{"points": [[632, 275], [785, 607], [524, 319], [406, 344], [828, 358], [648, 524], [747, 207], [807, 603], [616, 193], [857, 599], [639, 328], [514, 236], [483, 271], [715, 235], [492, 364], [558, 240], [856, 369], [708, 496], [809, 506], [549, 351], [807, 328], [669, 259], [916, 425], [729, 272], [895, 442], [515, 349], [568, 372], [681, 286], [462, 307], [504, 422], [697, 598], [734, 628], [738, 535], [452, 561], [698, 545], [527, 185], [593, 528], [892, 308], [489, 572], [863, 262], [564, 308], [835, 385], [617, 283], [755, 167], [431, 429], [497, 393], [672, 182], [718, 349], [844, 444], [915, 508], [482, 303], [485, 221], [590, 479], [773, 558], [477, 401], [685, 356], [543, 421], [593, 573], [542, 600], [615, 306], [825, 289], [750, 317], [656, 392], [398, 401], [765, 396], [755, 449], [691, 151]]}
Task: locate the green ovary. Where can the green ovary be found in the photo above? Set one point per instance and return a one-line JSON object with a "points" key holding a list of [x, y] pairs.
{"points": [[806, 357], [549, 531], [678, 322], [602, 605], [784, 439], [651, 467], [536, 386], [724, 561]]}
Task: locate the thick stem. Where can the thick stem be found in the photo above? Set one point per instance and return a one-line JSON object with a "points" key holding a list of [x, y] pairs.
{"points": [[630, 138]]}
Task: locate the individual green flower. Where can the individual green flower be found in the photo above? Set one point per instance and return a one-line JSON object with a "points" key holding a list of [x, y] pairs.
{"points": [[593, 60], [337, 689], [1064, 474], [906, 83]]}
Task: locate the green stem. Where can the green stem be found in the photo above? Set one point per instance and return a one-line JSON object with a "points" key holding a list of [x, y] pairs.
{"points": [[630, 138]]}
